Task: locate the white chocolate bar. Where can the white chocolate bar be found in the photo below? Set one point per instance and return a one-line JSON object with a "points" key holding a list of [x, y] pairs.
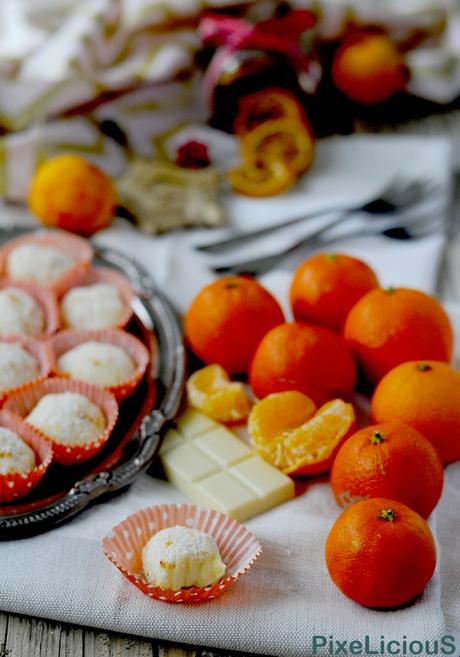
{"points": [[213, 467]]}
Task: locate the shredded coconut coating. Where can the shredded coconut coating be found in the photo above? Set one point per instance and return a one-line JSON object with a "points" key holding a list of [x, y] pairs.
{"points": [[20, 314], [17, 365], [98, 363], [68, 418], [180, 557], [15, 454], [35, 262], [92, 307]]}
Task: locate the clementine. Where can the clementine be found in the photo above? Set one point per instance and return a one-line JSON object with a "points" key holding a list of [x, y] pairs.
{"points": [[326, 286], [227, 320], [380, 553], [391, 326], [69, 192], [425, 395], [211, 391], [388, 460], [310, 359], [368, 68]]}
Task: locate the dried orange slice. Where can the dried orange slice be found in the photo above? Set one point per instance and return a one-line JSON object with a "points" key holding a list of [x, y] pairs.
{"points": [[252, 180], [287, 140], [211, 391], [266, 105], [278, 414], [309, 448]]}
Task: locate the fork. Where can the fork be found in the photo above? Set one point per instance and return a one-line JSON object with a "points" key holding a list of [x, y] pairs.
{"points": [[397, 196], [415, 229]]}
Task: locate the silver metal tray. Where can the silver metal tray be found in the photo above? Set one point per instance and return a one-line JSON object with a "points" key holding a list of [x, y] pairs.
{"points": [[143, 417]]}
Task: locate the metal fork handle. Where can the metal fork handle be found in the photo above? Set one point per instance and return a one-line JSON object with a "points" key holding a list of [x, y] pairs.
{"points": [[243, 238]]}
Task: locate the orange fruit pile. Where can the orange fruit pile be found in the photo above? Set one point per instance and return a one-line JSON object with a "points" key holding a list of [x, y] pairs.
{"points": [[390, 460], [426, 396], [69, 192], [289, 434], [380, 553], [227, 320], [211, 391], [390, 326]]}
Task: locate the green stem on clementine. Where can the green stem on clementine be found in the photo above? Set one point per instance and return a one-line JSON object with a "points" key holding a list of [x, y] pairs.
{"points": [[377, 438], [390, 289], [331, 257], [387, 514], [423, 367]]}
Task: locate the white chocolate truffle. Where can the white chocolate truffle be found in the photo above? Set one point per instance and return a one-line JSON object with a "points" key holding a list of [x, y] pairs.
{"points": [[20, 314], [92, 307], [179, 557], [17, 365], [37, 262], [68, 418], [15, 454], [99, 363]]}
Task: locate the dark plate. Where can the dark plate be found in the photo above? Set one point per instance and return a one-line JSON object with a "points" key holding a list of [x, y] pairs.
{"points": [[143, 417]]}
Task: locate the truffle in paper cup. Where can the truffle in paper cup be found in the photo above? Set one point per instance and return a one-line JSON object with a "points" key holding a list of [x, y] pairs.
{"points": [[39, 350], [238, 548], [19, 484], [66, 340], [95, 275], [44, 298], [76, 248], [23, 401]]}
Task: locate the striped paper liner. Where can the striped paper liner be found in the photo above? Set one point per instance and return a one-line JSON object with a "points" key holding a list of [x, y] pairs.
{"points": [[23, 401], [19, 484], [66, 340], [109, 276], [45, 300], [79, 249], [39, 349], [238, 548]]}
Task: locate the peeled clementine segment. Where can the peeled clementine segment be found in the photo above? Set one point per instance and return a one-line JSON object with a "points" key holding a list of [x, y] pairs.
{"points": [[211, 391], [277, 414], [309, 449]]}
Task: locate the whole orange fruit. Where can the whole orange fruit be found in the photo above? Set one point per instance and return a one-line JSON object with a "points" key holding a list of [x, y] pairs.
{"points": [[380, 553], [227, 320], [391, 326], [69, 192], [303, 357], [425, 395], [326, 286], [390, 460], [368, 68]]}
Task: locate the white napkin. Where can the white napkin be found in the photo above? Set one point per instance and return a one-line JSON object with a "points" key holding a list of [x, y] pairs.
{"points": [[287, 598]]}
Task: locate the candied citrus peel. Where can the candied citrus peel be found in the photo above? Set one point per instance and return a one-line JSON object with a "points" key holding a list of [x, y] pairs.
{"points": [[211, 391], [265, 105], [287, 140], [253, 180], [299, 443]]}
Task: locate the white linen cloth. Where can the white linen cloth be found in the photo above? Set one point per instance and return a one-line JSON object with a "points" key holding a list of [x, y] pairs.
{"points": [[287, 598]]}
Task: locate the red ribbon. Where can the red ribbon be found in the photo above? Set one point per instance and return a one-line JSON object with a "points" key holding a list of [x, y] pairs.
{"points": [[228, 35]]}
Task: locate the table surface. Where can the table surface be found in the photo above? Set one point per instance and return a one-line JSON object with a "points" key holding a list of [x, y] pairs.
{"points": [[22, 636]]}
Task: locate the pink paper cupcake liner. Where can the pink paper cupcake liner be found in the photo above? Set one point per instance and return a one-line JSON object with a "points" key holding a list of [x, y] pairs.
{"points": [[19, 484], [95, 275], [238, 548], [23, 401], [66, 340], [76, 247], [45, 300], [39, 350]]}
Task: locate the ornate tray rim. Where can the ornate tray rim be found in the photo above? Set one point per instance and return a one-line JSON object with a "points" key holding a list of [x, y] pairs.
{"points": [[170, 373]]}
